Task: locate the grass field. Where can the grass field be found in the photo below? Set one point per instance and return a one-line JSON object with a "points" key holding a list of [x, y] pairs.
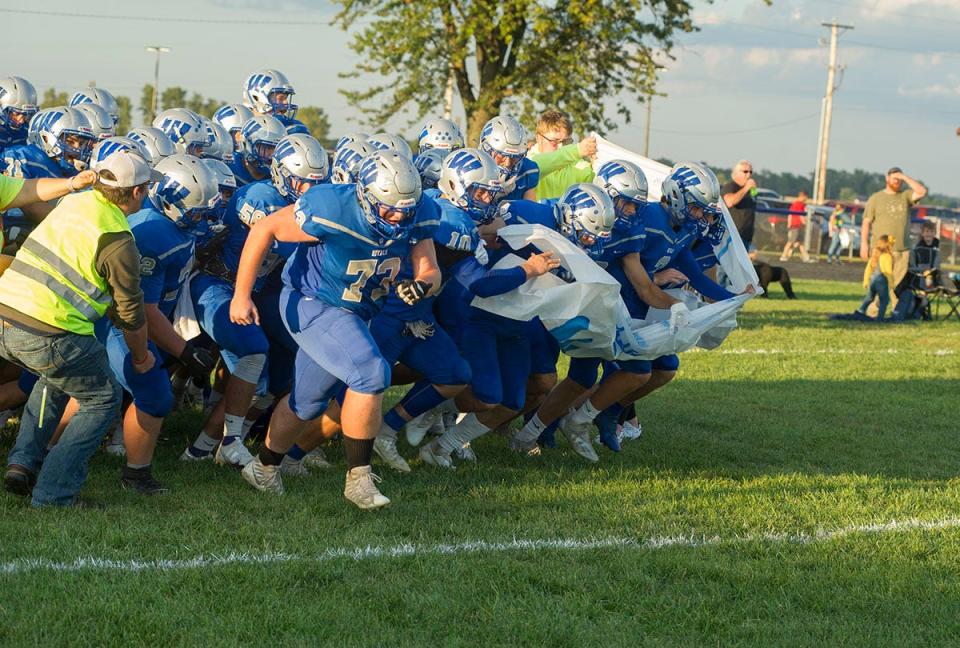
{"points": [[797, 487]]}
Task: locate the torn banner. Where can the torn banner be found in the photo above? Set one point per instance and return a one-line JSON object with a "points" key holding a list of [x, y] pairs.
{"points": [[588, 317]]}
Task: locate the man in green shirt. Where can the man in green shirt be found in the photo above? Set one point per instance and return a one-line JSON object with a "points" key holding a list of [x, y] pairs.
{"points": [[561, 162], [888, 212]]}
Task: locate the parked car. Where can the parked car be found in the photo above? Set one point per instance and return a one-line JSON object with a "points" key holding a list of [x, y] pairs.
{"points": [[767, 194]]}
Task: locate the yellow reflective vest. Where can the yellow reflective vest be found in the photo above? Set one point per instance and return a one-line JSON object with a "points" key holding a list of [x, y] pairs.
{"points": [[53, 277]]}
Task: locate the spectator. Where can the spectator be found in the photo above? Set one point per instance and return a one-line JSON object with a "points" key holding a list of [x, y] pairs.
{"points": [[835, 228], [795, 223], [877, 278], [924, 265], [888, 213], [561, 162], [739, 196], [80, 261]]}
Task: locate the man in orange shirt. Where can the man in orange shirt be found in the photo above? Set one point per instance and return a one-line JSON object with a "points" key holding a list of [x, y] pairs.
{"points": [[795, 223]]}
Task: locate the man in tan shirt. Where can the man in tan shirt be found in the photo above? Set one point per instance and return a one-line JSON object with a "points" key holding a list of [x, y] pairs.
{"points": [[888, 212]]}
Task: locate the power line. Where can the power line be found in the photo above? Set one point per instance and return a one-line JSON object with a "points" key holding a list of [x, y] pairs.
{"points": [[890, 48], [903, 14], [217, 21], [740, 131]]}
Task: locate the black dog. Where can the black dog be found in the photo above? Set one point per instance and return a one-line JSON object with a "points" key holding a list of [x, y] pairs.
{"points": [[768, 273]]}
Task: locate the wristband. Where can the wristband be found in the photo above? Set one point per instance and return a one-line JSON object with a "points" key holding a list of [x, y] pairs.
{"points": [[70, 184]]}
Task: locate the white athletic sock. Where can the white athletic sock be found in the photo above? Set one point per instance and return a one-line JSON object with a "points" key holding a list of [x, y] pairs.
{"points": [[247, 425], [463, 433], [531, 430], [214, 398], [232, 427], [204, 444], [585, 414]]}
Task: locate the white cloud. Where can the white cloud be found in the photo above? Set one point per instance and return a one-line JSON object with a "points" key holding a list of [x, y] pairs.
{"points": [[928, 60], [931, 90], [882, 10]]}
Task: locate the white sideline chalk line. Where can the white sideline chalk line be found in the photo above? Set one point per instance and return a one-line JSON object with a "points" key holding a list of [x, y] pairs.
{"points": [[476, 546], [936, 352]]}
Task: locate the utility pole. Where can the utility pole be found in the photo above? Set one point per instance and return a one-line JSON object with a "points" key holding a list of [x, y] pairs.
{"points": [[154, 105], [646, 127], [826, 116]]}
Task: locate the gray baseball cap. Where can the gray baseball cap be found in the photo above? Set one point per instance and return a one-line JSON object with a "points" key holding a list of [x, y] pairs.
{"points": [[125, 169]]}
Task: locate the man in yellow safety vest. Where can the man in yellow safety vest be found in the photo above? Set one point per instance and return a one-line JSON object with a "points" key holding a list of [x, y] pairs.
{"points": [[78, 264]]}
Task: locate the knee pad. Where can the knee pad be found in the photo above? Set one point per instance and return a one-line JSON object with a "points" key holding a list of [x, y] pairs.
{"points": [[250, 367]]}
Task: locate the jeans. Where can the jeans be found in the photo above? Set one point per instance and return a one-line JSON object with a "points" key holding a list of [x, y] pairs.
{"points": [[67, 365], [833, 252], [878, 288]]}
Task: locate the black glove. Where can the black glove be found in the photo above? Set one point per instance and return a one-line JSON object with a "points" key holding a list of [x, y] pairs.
{"points": [[198, 362], [411, 291]]}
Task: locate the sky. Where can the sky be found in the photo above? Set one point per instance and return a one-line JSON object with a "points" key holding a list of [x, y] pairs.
{"points": [[749, 84]]}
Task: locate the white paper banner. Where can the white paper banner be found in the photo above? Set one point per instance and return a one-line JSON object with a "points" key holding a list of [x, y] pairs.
{"points": [[588, 317], [731, 252]]}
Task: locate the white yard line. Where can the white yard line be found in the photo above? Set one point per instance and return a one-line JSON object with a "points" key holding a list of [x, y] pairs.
{"points": [[92, 563], [863, 351]]}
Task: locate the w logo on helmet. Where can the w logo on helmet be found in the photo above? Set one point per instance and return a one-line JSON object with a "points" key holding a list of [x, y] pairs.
{"points": [[367, 172], [610, 169], [48, 120], [284, 148], [223, 113], [174, 128], [172, 191], [686, 177], [464, 161], [107, 149], [80, 98], [258, 81]]}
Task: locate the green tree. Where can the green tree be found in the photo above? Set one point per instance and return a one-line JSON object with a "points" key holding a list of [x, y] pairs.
{"points": [[520, 55], [317, 121], [125, 107], [146, 103], [173, 97], [203, 106], [52, 98]]}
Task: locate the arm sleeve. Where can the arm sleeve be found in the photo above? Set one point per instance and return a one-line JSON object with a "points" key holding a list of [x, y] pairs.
{"points": [[119, 263], [555, 160], [868, 211], [498, 282], [9, 189], [687, 264]]}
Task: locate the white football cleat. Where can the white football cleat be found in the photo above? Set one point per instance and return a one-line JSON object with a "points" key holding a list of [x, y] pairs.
{"points": [[235, 455], [434, 455], [316, 459], [190, 457], [116, 449], [466, 453], [578, 434], [361, 489], [631, 431], [264, 478], [529, 449], [293, 468], [386, 449], [418, 427]]}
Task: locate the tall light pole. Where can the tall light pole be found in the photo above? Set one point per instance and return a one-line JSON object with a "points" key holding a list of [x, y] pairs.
{"points": [[158, 49]]}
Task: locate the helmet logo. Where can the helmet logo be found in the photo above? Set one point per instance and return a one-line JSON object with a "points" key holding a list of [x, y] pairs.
{"points": [[109, 148], [48, 120], [464, 161], [175, 127], [172, 191], [284, 149]]}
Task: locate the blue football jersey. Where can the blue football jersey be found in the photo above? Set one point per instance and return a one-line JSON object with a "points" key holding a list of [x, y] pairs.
{"points": [[663, 243], [30, 162], [248, 205], [292, 125], [457, 232], [240, 171], [166, 257], [527, 177], [351, 266], [621, 242], [10, 137]]}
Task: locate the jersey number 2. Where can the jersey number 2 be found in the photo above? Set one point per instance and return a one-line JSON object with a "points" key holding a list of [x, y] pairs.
{"points": [[367, 268]]}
